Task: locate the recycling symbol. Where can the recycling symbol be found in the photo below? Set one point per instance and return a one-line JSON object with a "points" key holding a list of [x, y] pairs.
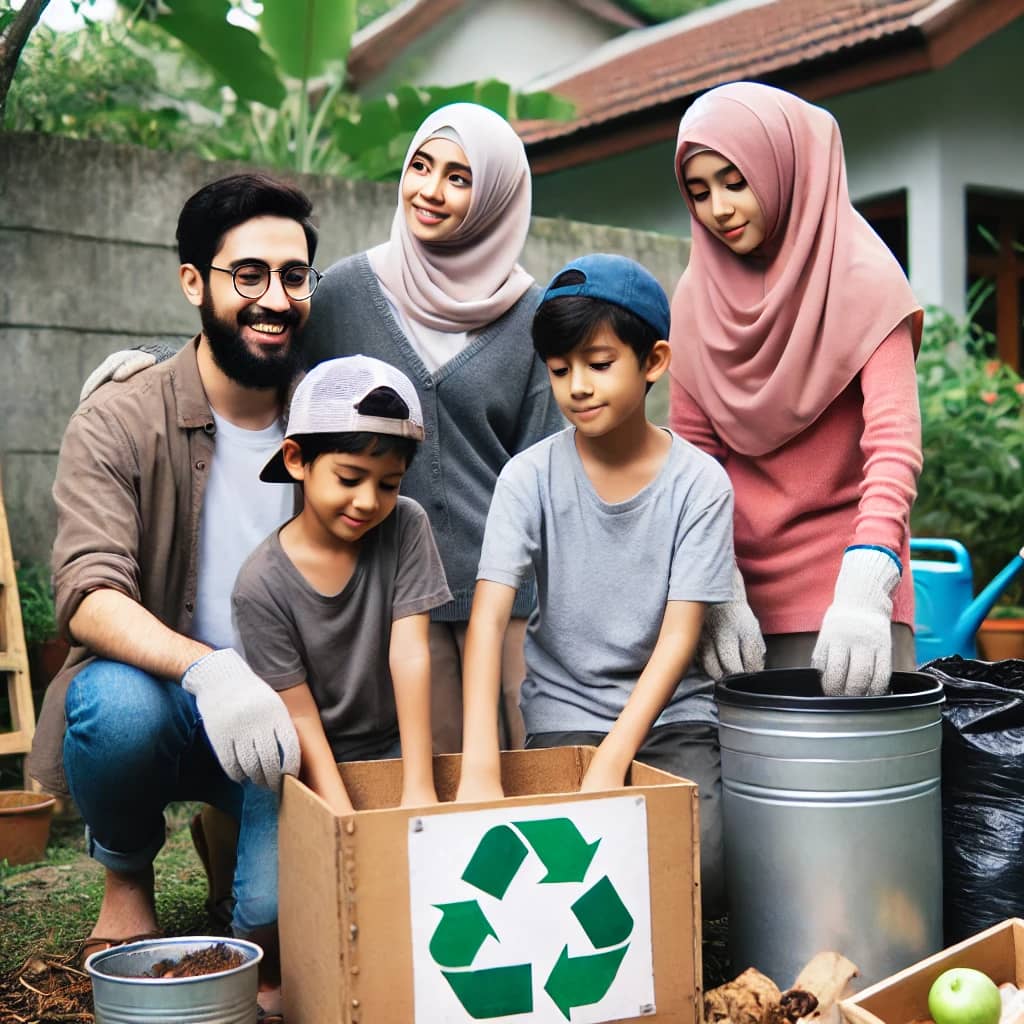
{"points": [[572, 980]]}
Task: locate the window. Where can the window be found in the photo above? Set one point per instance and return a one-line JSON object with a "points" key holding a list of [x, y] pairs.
{"points": [[995, 269], [888, 216]]}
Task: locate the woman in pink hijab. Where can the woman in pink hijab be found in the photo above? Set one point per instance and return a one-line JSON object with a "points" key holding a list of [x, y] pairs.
{"points": [[794, 333]]}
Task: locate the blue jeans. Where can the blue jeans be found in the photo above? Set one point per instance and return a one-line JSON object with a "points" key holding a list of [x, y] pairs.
{"points": [[133, 745]]}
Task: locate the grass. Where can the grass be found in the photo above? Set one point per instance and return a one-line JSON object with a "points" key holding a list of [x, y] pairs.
{"points": [[49, 907]]}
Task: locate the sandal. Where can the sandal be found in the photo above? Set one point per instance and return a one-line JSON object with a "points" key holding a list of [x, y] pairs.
{"points": [[263, 1017], [98, 943]]}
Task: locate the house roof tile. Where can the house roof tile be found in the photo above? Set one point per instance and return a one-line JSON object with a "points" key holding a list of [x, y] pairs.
{"points": [[754, 39]]}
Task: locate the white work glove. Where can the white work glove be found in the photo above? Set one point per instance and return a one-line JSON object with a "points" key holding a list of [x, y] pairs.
{"points": [[246, 722], [854, 648], [123, 364], [731, 639]]}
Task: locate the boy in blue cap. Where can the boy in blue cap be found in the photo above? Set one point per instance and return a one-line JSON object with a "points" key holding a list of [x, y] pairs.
{"points": [[628, 532]]}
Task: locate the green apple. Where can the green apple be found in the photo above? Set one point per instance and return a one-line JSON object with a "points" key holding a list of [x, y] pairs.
{"points": [[963, 995]]}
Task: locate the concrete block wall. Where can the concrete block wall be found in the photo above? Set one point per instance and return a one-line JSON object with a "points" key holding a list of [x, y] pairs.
{"points": [[89, 266]]}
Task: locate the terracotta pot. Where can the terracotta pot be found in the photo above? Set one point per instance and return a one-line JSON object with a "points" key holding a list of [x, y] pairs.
{"points": [[999, 639], [24, 825], [45, 660]]}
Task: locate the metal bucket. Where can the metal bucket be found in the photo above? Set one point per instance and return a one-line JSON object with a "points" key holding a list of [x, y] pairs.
{"points": [[122, 996], [832, 822]]}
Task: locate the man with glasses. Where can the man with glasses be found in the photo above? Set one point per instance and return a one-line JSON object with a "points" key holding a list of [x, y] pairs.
{"points": [[159, 502]]}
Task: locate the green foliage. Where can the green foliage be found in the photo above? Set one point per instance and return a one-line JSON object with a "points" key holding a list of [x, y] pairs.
{"points": [[35, 592], [371, 10], [233, 53], [1007, 611], [972, 412], [106, 82], [307, 41], [175, 77], [371, 141], [665, 10]]}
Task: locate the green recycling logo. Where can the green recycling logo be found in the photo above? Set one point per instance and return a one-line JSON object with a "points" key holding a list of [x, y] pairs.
{"points": [[524, 854]]}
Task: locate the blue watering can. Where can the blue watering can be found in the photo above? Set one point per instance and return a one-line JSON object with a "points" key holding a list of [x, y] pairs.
{"points": [[948, 614]]}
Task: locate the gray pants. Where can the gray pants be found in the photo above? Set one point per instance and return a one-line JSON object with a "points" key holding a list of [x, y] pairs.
{"points": [[691, 752], [447, 644]]}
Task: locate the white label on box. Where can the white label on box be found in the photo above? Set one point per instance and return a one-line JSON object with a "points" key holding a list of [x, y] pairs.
{"points": [[535, 914]]}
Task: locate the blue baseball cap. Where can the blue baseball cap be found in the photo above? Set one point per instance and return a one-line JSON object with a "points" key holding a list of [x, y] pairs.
{"points": [[619, 280]]}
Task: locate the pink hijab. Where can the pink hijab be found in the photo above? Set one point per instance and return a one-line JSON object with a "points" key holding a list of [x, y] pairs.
{"points": [[766, 342], [472, 278]]}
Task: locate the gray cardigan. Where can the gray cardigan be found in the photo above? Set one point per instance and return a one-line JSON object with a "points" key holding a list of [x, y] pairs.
{"points": [[483, 406]]}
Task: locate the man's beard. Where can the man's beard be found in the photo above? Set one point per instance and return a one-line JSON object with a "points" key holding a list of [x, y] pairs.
{"points": [[270, 368]]}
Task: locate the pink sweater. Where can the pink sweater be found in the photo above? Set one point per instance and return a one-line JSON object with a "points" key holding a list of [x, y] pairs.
{"points": [[849, 478]]}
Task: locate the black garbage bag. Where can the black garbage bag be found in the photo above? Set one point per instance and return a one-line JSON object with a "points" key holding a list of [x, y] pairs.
{"points": [[982, 792]]}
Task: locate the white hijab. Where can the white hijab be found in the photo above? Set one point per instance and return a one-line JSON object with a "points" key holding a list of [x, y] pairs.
{"points": [[471, 278]]}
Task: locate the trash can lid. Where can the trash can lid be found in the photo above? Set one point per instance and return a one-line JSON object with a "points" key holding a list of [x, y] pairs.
{"points": [[799, 689]]}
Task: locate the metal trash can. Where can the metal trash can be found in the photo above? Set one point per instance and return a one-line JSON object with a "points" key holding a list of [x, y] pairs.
{"points": [[832, 816]]}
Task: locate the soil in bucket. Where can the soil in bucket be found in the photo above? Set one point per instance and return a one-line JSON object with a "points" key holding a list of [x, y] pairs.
{"points": [[211, 960]]}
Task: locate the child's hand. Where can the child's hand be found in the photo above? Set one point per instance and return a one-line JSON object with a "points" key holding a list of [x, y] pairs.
{"points": [[415, 795], [338, 802], [478, 788], [603, 774]]}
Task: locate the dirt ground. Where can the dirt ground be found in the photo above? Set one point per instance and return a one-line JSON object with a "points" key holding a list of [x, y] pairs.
{"points": [[47, 910]]}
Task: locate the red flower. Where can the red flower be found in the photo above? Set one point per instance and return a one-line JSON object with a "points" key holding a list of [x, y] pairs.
{"points": [[1019, 388], [988, 397], [992, 367]]}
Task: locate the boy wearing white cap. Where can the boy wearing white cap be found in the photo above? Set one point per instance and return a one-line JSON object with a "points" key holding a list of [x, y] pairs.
{"points": [[332, 609]]}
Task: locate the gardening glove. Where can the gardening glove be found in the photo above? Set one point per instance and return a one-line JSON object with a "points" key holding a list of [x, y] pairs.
{"points": [[246, 722], [854, 648], [731, 639], [123, 364]]}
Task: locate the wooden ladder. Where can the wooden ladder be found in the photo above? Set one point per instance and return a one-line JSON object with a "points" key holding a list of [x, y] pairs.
{"points": [[13, 654]]}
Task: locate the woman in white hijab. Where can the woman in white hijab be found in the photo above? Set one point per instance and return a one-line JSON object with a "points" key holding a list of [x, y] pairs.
{"points": [[446, 301]]}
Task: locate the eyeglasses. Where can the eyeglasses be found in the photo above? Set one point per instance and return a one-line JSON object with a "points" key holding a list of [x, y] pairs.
{"points": [[251, 280]]}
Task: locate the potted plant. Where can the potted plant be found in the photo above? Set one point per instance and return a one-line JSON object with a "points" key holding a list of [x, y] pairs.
{"points": [[972, 421], [46, 650], [1002, 634]]}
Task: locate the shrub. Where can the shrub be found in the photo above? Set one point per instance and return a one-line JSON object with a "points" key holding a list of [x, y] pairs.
{"points": [[972, 413], [38, 615]]}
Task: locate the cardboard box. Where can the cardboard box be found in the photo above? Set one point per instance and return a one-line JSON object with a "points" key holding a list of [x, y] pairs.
{"points": [[542, 900], [902, 998]]}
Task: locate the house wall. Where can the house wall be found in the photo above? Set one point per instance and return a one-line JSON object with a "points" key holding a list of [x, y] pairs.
{"points": [[636, 189], [89, 267], [934, 135], [515, 41]]}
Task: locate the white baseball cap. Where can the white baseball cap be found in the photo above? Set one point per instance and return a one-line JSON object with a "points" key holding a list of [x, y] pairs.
{"points": [[328, 398]]}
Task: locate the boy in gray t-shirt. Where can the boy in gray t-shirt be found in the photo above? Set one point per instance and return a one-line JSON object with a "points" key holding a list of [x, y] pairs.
{"points": [[627, 530], [332, 609]]}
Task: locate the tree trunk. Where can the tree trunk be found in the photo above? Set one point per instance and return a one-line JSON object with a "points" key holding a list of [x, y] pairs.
{"points": [[12, 41]]}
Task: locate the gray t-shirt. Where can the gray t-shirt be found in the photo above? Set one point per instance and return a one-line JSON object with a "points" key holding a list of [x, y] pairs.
{"points": [[605, 573], [339, 644]]}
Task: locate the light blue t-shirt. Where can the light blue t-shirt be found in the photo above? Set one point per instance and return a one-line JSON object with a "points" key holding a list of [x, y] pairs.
{"points": [[605, 573]]}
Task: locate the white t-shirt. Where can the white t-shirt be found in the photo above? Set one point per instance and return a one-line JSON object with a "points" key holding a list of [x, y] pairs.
{"points": [[239, 511]]}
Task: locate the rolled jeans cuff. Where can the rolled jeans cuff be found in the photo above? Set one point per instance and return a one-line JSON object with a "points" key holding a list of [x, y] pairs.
{"points": [[127, 863]]}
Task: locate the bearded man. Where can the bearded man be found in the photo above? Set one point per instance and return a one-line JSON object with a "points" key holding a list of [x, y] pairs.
{"points": [[159, 502]]}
